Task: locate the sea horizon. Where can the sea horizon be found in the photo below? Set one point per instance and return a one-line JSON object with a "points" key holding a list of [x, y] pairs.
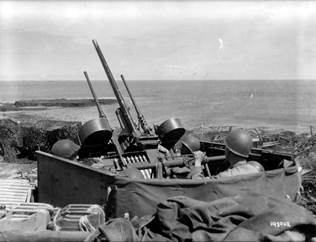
{"points": [[287, 103]]}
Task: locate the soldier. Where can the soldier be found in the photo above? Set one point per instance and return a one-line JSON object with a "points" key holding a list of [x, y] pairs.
{"points": [[65, 148], [187, 145], [238, 146]]}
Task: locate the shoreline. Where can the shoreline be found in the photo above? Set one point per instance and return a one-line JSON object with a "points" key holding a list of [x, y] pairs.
{"points": [[43, 104], [47, 113]]}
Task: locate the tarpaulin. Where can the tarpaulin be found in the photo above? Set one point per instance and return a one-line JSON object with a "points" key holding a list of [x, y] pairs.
{"points": [[245, 217], [140, 197], [239, 217]]}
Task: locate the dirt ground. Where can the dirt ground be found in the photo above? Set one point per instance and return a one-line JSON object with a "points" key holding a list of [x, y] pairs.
{"points": [[16, 170]]}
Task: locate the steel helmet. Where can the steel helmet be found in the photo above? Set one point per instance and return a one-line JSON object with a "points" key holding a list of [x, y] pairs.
{"points": [[65, 148], [239, 142], [189, 144]]}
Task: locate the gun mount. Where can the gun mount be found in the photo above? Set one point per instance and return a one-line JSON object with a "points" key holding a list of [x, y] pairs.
{"points": [[96, 131], [131, 134], [135, 143], [96, 134], [141, 119]]}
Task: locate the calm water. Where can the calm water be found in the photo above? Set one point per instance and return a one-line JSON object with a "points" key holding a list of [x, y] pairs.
{"points": [[288, 104]]}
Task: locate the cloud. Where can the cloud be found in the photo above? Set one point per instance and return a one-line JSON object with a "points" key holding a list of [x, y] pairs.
{"points": [[220, 44], [157, 40], [175, 67]]}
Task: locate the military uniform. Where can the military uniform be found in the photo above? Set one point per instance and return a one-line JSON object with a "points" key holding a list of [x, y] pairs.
{"points": [[240, 168], [238, 146]]}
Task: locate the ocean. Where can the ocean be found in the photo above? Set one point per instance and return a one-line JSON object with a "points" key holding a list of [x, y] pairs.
{"points": [[280, 104]]}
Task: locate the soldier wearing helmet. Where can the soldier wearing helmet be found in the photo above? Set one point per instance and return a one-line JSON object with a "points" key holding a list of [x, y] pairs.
{"points": [[238, 145], [65, 148], [187, 145]]}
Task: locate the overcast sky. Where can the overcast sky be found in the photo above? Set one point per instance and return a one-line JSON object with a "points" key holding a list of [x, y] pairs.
{"points": [[152, 40]]}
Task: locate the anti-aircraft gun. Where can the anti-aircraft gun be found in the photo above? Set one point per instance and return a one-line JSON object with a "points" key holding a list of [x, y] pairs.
{"points": [[132, 138], [63, 181], [136, 144]]}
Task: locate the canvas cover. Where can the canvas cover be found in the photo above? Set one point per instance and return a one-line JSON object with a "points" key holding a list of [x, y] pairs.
{"points": [[140, 197], [61, 182], [248, 216]]}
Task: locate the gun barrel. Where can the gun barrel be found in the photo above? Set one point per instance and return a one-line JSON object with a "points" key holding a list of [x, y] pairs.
{"points": [[127, 117], [175, 162], [140, 116], [130, 95], [101, 113]]}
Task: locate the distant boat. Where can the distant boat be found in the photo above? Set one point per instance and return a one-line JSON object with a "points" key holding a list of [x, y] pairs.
{"points": [[251, 95]]}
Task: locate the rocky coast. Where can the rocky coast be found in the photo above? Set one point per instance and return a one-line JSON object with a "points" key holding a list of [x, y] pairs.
{"points": [[22, 132], [36, 104]]}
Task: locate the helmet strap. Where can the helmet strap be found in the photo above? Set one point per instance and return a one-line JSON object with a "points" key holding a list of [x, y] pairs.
{"points": [[232, 158], [236, 153]]}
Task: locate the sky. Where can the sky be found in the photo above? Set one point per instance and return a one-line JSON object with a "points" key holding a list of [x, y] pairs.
{"points": [[158, 40]]}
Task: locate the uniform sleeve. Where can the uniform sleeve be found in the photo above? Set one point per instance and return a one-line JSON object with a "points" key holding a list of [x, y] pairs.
{"points": [[196, 173], [240, 170], [228, 173]]}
